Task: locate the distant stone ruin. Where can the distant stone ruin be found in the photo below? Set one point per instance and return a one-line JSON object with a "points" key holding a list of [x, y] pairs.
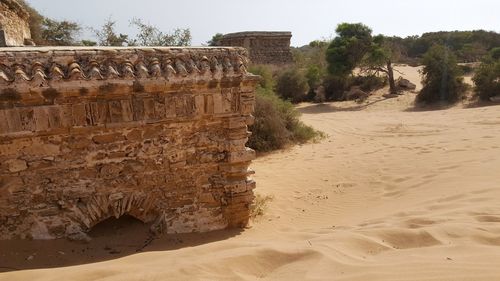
{"points": [[14, 27], [264, 47], [155, 133]]}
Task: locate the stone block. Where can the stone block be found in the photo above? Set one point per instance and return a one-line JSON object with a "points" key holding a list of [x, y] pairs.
{"points": [[16, 165], [246, 155], [13, 120], [78, 113]]}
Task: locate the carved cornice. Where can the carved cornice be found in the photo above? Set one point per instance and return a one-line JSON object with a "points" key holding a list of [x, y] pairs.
{"points": [[40, 66]]}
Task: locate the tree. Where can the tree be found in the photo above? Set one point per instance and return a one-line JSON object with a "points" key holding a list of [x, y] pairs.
{"points": [[487, 77], [318, 44], [442, 80], [46, 31], [59, 33], [150, 35], [216, 40], [380, 57], [347, 50], [355, 47], [107, 36]]}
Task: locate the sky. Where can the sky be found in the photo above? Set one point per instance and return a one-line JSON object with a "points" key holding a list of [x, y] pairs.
{"points": [[308, 20]]}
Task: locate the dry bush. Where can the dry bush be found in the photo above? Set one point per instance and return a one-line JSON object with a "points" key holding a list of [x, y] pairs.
{"points": [[277, 122], [259, 205]]}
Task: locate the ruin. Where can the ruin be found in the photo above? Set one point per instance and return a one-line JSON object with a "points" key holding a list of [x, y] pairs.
{"points": [[14, 26], [264, 47], [155, 133]]}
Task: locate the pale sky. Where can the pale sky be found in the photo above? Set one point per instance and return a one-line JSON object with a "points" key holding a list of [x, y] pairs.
{"points": [[307, 19]]}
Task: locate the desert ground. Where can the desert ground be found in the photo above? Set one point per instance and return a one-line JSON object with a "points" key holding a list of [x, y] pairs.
{"points": [[392, 193]]}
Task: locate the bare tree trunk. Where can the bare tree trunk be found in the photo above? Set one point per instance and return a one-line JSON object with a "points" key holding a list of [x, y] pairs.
{"points": [[390, 74]]}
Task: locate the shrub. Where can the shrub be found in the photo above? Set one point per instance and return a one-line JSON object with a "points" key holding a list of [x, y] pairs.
{"points": [[442, 80], [269, 129], [487, 77], [335, 87], [266, 76], [313, 76], [368, 83], [277, 123], [292, 85], [259, 205]]}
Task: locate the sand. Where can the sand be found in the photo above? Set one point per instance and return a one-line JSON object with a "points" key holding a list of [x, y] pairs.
{"points": [[391, 193]]}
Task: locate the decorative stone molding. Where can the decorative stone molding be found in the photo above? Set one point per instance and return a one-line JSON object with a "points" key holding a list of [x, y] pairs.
{"points": [[155, 133]]}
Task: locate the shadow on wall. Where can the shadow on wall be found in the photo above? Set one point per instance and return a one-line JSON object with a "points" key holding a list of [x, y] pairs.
{"points": [[111, 239]]}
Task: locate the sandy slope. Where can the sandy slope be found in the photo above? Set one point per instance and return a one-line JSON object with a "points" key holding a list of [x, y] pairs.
{"points": [[390, 194]]}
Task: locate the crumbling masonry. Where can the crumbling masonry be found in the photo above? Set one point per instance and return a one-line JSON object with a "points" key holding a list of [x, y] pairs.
{"points": [[92, 133], [14, 24]]}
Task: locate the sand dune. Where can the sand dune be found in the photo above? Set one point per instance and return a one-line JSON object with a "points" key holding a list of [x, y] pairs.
{"points": [[390, 194]]}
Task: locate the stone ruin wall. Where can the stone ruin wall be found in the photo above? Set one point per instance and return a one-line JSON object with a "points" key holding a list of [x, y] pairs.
{"points": [[155, 133], [14, 26], [264, 47]]}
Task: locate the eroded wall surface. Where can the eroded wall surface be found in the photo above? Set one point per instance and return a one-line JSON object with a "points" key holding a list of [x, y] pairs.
{"points": [[264, 47], [14, 27], [156, 133]]}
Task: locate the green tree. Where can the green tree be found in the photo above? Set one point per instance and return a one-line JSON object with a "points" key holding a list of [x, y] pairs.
{"points": [[150, 35], [313, 76], [347, 50], [442, 80], [107, 35], [59, 33], [216, 39], [318, 44], [46, 31], [380, 57], [487, 77]]}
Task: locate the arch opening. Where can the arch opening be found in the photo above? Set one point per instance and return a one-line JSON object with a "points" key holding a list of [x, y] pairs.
{"points": [[125, 226]]}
